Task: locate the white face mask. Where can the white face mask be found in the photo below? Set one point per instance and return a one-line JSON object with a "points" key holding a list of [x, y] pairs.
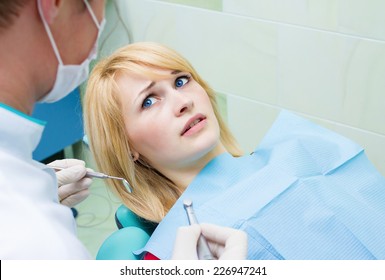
{"points": [[69, 77]]}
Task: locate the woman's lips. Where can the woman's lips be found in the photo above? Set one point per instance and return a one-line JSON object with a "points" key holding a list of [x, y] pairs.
{"points": [[194, 125]]}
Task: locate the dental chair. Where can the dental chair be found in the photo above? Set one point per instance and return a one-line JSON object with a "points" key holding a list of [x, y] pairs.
{"points": [[132, 234]]}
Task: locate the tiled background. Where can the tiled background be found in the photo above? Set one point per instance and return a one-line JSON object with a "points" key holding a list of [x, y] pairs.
{"points": [[322, 59]]}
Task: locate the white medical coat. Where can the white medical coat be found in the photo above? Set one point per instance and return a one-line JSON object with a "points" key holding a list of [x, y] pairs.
{"points": [[33, 224]]}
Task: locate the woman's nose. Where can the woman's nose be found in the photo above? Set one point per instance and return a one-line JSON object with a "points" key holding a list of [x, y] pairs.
{"points": [[183, 104]]}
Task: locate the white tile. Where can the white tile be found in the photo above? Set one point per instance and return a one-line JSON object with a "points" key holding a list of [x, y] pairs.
{"points": [[249, 121], [310, 71], [115, 33], [334, 77], [365, 87], [360, 18], [309, 13]]}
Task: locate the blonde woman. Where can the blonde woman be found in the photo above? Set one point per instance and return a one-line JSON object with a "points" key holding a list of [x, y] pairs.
{"points": [[112, 132], [113, 125], [151, 119]]}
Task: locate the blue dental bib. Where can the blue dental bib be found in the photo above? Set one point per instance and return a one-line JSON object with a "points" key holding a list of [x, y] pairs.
{"points": [[305, 193]]}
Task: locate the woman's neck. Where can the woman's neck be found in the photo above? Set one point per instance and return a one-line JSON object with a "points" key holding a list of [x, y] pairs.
{"points": [[183, 176]]}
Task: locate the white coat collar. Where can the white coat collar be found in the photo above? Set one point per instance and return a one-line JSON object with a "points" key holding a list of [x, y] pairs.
{"points": [[19, 132]]}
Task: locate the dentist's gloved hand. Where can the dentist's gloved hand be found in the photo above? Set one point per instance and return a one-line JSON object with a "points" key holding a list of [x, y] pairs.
{"points": [[225, 243], [73, 186]]}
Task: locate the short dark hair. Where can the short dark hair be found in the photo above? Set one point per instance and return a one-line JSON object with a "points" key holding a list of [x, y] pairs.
{"points": [[9, 9]]}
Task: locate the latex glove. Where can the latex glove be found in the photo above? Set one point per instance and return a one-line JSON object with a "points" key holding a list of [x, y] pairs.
{"points": [[73, 186], [225, 243]]}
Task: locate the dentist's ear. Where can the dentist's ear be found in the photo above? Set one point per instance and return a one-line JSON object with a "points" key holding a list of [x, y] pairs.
{"points": [[50, 9]]}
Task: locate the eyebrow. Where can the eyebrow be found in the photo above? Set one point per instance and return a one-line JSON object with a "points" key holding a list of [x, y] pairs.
{"points": [[144, 90], [153, 83], [147, 88]]}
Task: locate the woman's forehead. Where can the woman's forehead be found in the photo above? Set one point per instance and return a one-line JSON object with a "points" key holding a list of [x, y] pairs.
{"points": [[149, 72]]}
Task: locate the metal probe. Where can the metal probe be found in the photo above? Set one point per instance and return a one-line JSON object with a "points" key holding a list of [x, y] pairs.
{"points": [[203, 249], [93, 174]]}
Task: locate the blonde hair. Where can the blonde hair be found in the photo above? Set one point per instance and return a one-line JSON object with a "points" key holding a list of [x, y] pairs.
{"points": [[153, 194]]}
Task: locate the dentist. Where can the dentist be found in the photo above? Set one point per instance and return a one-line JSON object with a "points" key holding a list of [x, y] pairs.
{"points": [[45, 50]]}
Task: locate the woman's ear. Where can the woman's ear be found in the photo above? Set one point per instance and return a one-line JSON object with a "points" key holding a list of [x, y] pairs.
{"points": [[135, 155], [50, 9]]}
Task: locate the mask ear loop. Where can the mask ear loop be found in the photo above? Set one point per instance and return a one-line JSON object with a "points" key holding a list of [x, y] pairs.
{"points": [[92, 13], [48, 30]]}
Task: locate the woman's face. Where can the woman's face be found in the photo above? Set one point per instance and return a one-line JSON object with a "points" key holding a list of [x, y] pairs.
{"points": [[170, 122]]}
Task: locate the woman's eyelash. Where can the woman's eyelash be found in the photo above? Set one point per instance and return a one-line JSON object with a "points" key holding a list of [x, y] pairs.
{"points": [[151, 99], [179, 80], [148, 101]]}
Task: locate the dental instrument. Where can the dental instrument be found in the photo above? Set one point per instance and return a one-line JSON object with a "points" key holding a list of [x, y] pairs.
{"points": [[93, 174], [203, 249]]}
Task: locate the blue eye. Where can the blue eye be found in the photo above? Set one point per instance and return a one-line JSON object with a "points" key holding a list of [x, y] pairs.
{"points": [[148, 102], [181, 81]]}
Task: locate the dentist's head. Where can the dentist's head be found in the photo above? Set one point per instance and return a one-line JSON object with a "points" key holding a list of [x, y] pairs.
{"points": [[45, 48], [70, 76]]}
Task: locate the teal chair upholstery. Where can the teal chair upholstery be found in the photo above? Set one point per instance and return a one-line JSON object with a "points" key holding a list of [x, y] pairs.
{"points": [[132, 234], [124, 217]]}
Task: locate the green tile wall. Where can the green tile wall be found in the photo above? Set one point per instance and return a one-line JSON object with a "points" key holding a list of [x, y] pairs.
{"points": [[222, 105], [215, 5]]}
